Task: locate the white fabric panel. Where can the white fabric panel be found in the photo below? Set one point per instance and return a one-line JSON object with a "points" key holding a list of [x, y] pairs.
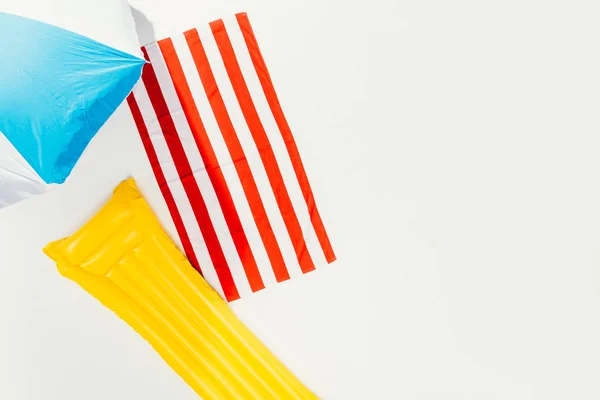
{"points": [[18, 180], [107, 21]]}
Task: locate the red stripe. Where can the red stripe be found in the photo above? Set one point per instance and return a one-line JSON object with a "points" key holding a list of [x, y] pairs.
{"points": [[188, 180], [267, 85], [237, 154], [262, 142], [162, 182], [212, 164]]}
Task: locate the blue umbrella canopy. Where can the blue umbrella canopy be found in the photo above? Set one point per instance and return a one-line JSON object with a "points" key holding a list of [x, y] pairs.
{"points": [[58, 89]]}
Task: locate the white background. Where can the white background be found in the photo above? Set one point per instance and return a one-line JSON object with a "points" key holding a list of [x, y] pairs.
{"points": [[453, 151]]}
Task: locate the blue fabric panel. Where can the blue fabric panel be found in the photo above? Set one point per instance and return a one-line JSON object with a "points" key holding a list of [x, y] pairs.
{"points": [[57, 89]]}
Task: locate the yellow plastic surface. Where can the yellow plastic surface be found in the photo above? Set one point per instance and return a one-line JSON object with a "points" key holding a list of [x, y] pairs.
{"points": [[123, 258]]}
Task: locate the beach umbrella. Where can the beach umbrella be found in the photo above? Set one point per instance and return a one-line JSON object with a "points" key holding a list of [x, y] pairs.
{"points": [[59, 87]]}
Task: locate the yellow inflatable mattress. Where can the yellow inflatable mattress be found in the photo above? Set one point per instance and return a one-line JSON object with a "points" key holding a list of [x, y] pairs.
{"points": [[124, 259]]}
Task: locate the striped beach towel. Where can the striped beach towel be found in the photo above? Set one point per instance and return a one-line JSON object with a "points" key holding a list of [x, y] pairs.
{"points": [[226, 161]]}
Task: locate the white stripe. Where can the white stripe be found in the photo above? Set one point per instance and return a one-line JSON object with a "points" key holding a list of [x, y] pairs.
{"points": [[224, 159], [275, 138], [175, 186], [199, 170], [250, 149]]}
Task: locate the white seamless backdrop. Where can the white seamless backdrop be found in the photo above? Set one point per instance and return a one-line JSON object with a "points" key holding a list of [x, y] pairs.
{"points": [[453, 151]]}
